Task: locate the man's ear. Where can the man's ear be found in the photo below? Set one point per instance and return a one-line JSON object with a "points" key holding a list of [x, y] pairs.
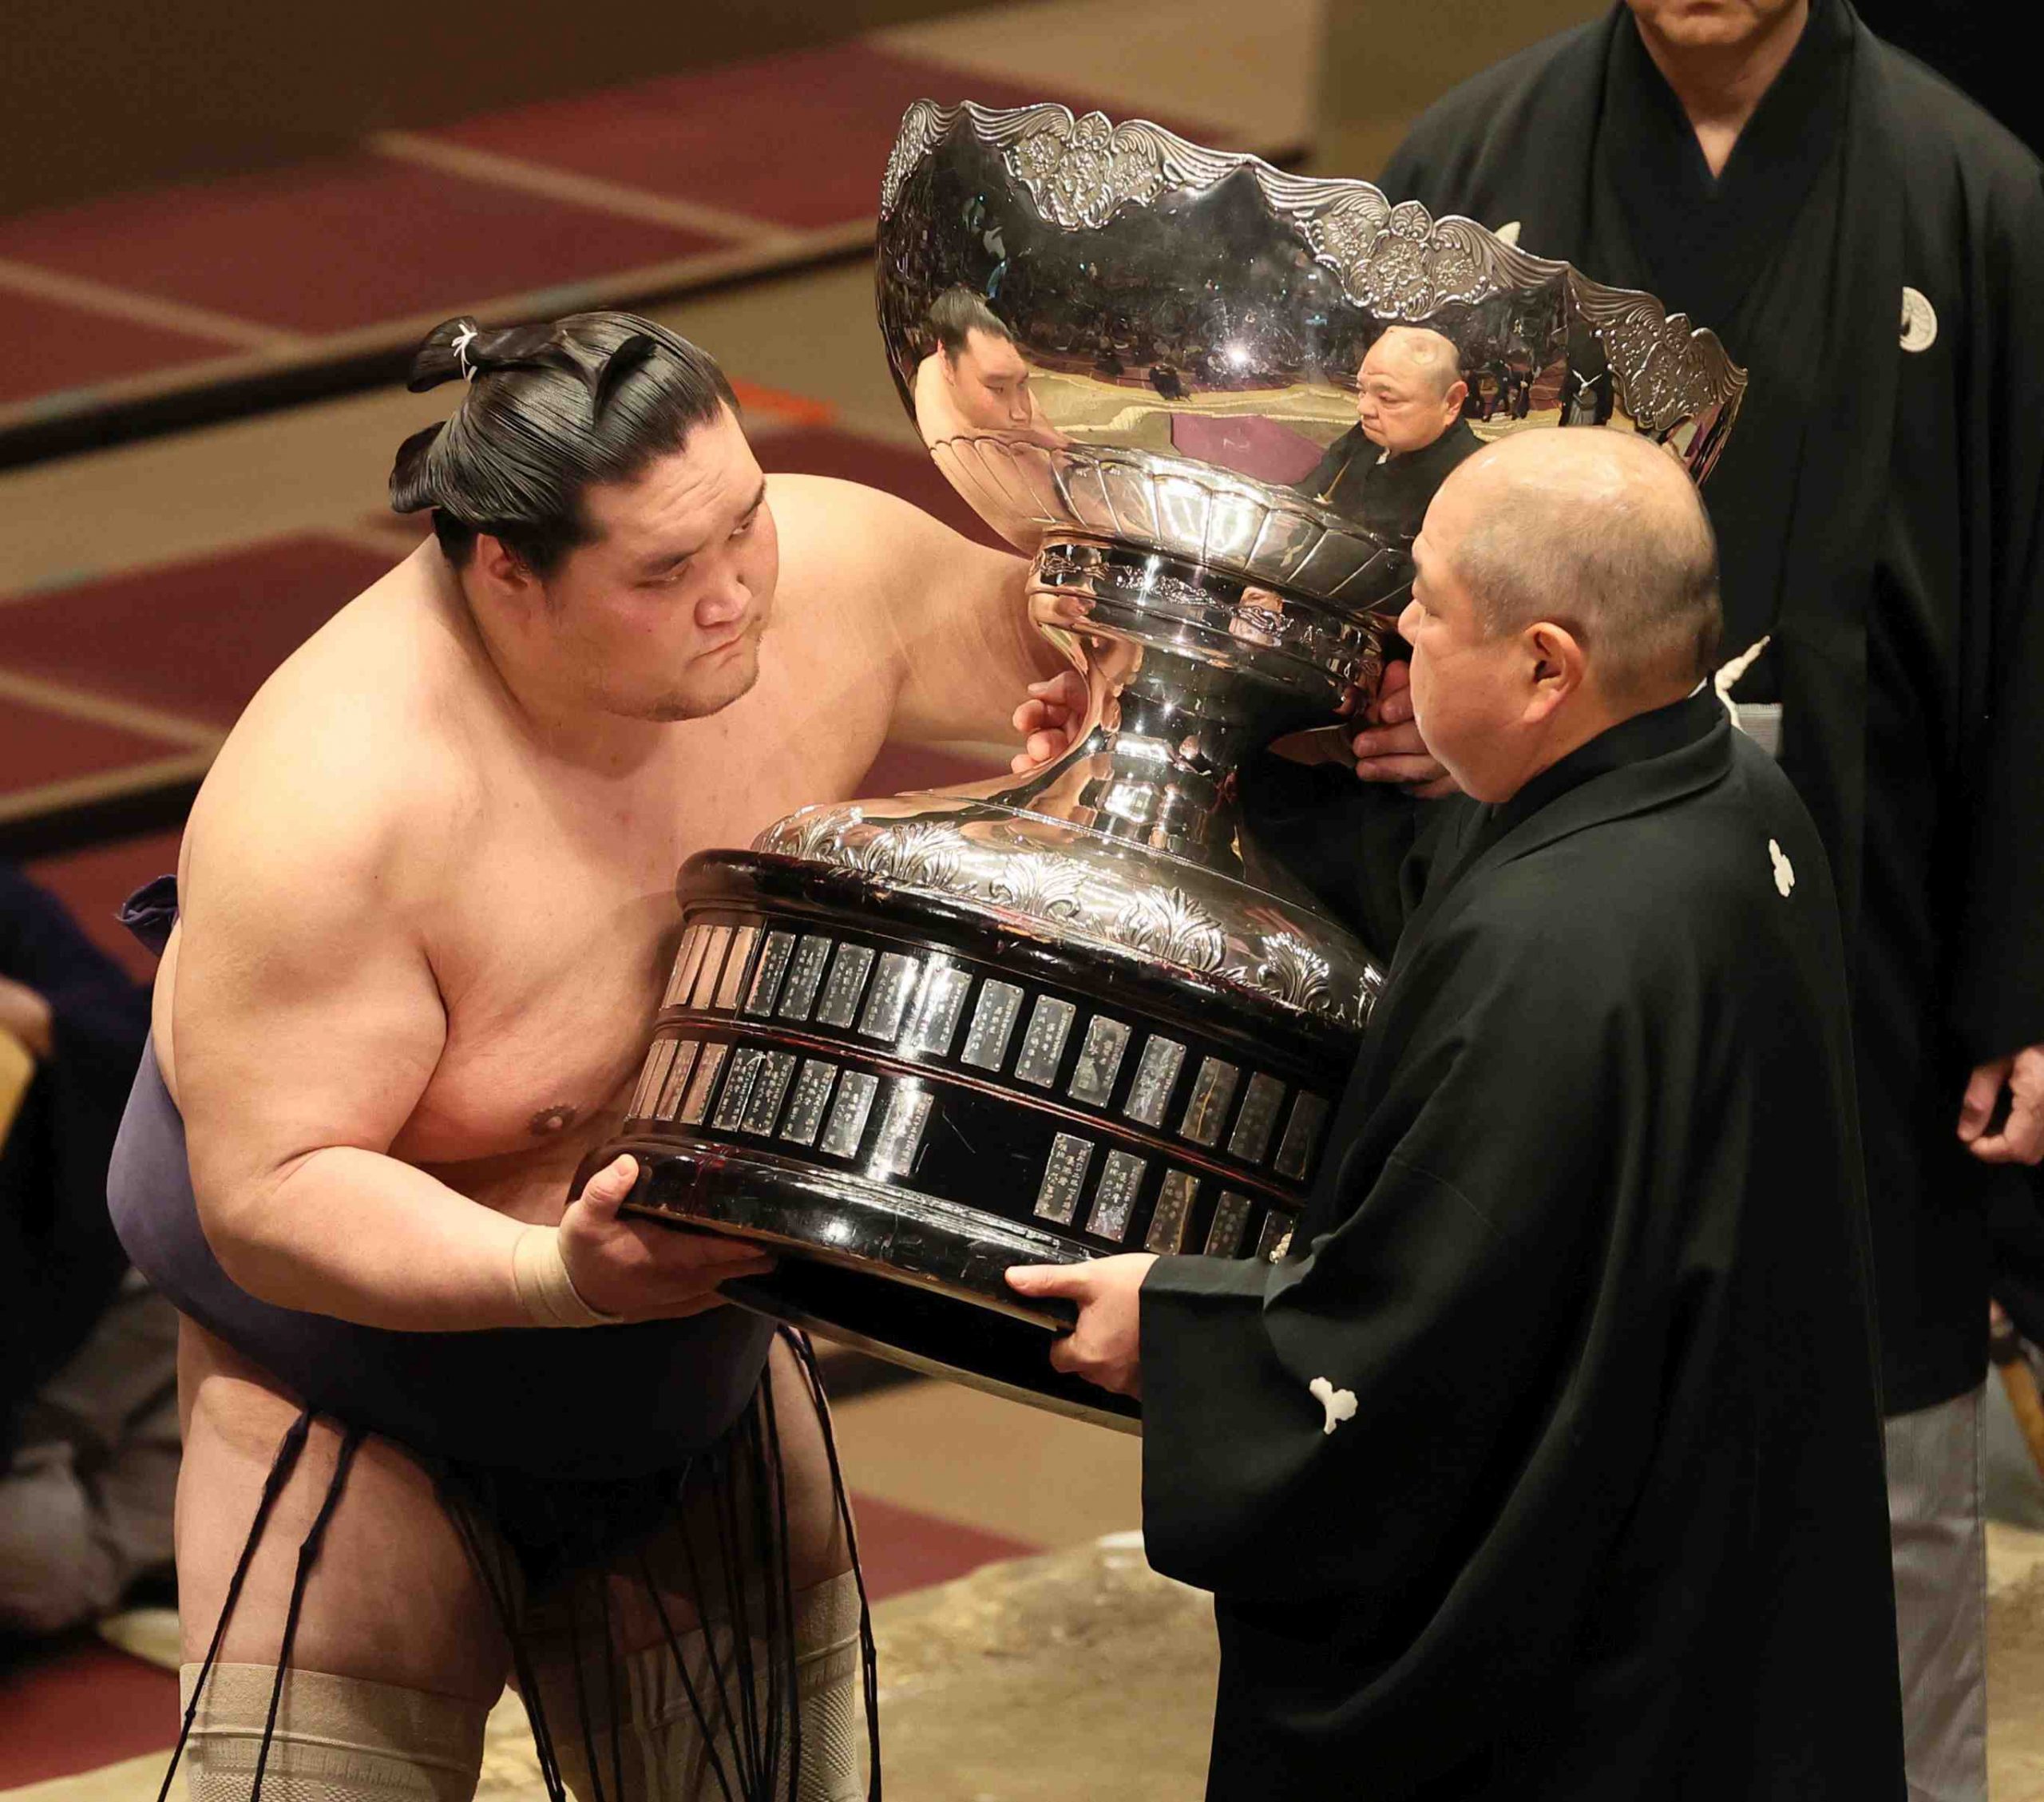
{"points": [[499, 569], [1555, 668], [1456, 397]]}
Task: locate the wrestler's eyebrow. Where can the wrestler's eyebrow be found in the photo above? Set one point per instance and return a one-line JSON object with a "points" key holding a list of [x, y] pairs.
{"points": [[662, 565]]}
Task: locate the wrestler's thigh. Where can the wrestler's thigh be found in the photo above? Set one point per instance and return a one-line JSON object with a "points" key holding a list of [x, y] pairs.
{"points": [[393, 1598], [817, 1551]]}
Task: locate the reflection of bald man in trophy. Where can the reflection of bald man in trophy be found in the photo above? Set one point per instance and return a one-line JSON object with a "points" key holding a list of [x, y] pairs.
{"points": [[1409, 433], [975, 382]]}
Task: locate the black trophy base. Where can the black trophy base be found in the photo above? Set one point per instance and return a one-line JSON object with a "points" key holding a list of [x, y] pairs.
{"points": [[907, 1095], [918, 1282]]}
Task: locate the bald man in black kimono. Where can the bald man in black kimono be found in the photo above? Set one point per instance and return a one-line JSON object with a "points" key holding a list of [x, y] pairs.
{"points": [[1871, 246], [1547, 1464]]}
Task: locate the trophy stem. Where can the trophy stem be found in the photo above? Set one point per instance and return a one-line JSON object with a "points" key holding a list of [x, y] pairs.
{"points": [[1189, 672]]}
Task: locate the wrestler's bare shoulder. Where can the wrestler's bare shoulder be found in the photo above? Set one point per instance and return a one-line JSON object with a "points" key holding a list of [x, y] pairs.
{"points": [[351, 751], [857, 543]]}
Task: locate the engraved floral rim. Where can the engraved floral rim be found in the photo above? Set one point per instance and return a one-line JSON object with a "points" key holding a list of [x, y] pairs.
{"points": [[1396, 259]]}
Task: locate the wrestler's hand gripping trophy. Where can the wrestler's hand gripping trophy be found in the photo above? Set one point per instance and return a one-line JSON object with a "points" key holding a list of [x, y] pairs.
{"points": [[911, 1043]]}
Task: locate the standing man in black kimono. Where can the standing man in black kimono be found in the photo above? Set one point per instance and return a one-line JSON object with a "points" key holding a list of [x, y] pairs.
{"points": [[1549, 1466], [1871, 246]]}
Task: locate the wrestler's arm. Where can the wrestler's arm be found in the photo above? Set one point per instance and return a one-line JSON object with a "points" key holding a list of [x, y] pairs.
{"points": [[307, 1020], [971, 653], [945, 618]]}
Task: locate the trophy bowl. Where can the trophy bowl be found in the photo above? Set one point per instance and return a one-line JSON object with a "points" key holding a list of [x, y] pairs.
{"points": [[909, 1043]]}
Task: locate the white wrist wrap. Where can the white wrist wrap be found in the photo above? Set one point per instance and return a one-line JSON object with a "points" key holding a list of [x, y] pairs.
{"points": [[540, 1274]]}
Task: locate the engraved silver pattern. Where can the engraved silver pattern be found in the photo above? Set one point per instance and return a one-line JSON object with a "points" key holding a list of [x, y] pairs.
{"points": [[1082, 171], [1172, 925], [1292, 970], [921, 126]]}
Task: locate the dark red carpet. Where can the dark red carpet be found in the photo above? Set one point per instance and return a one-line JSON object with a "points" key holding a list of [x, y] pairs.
{"points": [[40, 746], [303, 265], [195, 639], [76, 347], [326, 247], [799, 140]]}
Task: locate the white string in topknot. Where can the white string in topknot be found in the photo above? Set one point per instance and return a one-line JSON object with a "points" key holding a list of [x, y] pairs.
{"points": [[1728, 676], [462, 339]]}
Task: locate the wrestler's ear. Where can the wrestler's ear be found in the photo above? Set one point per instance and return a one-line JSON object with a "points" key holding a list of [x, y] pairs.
{"points": [[499, 568]]}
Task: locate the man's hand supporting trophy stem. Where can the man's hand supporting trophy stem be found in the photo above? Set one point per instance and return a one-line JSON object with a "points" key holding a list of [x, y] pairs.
{"points": [[1390, 749]]}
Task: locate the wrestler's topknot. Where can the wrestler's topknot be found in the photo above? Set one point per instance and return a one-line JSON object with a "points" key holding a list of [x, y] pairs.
{"points": [[547, 410]]}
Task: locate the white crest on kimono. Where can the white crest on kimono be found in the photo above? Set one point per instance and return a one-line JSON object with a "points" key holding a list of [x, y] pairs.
{"points": [[1507, 233], [1784, 872], [1920, 320], [1340, 1404]]}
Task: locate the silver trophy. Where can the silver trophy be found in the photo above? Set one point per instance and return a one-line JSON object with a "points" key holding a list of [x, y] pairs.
{"points": [[910, 1043]]}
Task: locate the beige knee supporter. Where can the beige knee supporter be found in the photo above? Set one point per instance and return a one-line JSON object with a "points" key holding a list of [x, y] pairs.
{"points": [[336, 1739], [661, 1749]]}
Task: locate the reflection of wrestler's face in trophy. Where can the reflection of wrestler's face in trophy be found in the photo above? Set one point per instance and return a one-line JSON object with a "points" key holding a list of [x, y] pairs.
{"points": [[989, 382], [975, 382], [1409, 390], [660, 616]]}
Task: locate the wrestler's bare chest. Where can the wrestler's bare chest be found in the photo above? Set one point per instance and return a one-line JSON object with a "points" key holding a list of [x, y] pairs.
{"points": [[557, 939]]}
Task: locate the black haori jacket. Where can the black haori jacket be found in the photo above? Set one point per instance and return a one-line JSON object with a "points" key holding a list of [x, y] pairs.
{"points": [[1548, 1465]]}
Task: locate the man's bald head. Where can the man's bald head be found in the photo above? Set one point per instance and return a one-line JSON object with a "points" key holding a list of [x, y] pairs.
{"points": [[1599, 531], [1428, 357], [1409, 390]]}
